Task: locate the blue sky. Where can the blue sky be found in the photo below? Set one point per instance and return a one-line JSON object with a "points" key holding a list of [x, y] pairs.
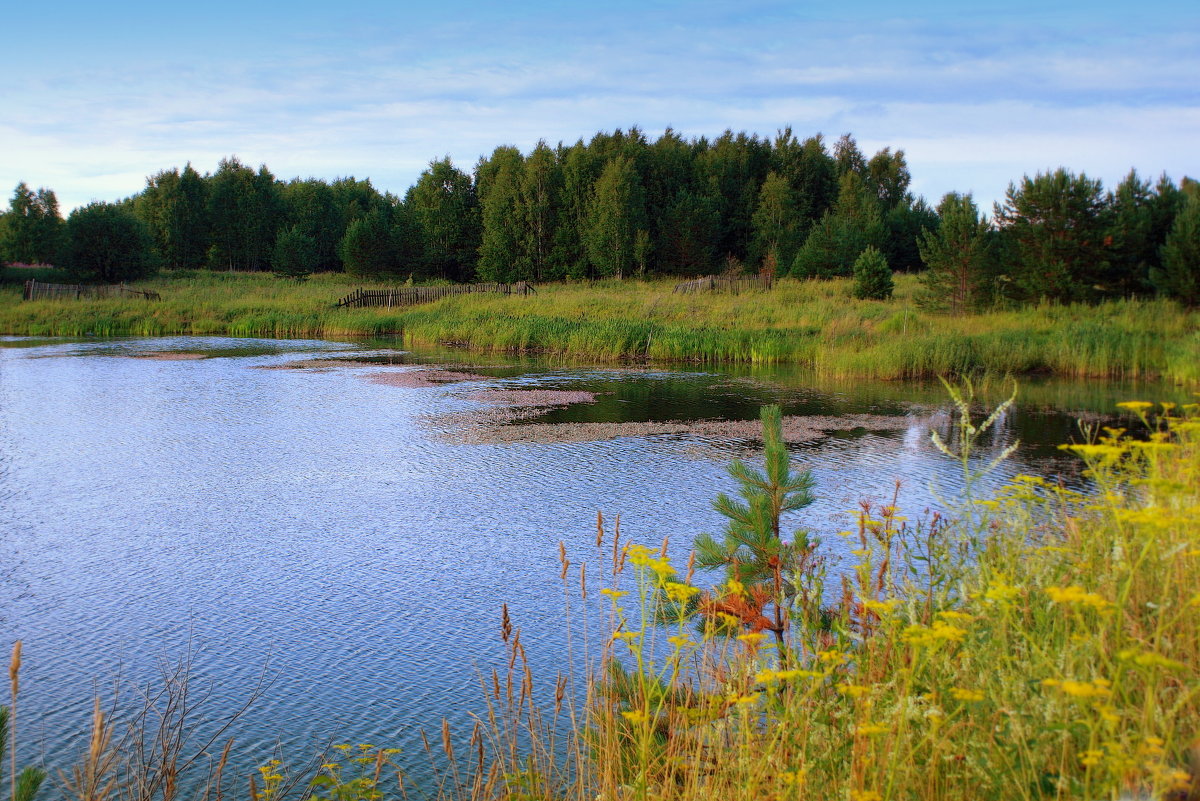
{"points": [[94, 97]]}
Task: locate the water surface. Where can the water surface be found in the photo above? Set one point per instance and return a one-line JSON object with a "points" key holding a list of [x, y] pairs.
{"points": [[313, 523]]}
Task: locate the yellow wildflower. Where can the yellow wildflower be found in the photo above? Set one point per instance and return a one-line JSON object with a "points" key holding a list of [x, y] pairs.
{"points": [[752, 637], [872, 729], [639, 555], [1135, 406], [865, 795], [1091, 757], [1001, 592], [768, 675], [614, 594], [853, 690], [635, 716], [794, 776], [680, 593], [662, 567], [1077, 595], [681, 641], [882, 608], [961, 694], [1148, 659], [932, 636], [1097, 688], [832, 657]]}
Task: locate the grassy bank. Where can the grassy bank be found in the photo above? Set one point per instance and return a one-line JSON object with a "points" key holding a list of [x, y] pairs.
{"points": [[1041, 645], [816, 324]]}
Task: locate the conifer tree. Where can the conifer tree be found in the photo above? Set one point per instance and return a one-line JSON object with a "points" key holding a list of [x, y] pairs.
{"points": [[1179, 276], [753, 552], [687, 242], [1055, 225], [957, 257], [834, 243], [294, 254], [872, 276]]}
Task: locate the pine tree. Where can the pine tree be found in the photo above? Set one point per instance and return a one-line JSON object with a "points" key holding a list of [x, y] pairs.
{"points": [[872, 276], [687, 241], [753, 552], [836, 241], [1179, 276], [294, 254], [957, 257], [368, 249], [1055, 223]]}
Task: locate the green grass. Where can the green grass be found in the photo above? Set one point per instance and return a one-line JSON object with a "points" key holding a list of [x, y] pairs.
{"points": [[816, 324]]}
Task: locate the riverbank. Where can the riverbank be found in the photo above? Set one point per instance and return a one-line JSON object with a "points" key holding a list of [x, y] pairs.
{"points": [[816, 324]]}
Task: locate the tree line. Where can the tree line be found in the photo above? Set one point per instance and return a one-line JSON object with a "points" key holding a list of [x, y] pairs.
{"points": [[621, 205]]}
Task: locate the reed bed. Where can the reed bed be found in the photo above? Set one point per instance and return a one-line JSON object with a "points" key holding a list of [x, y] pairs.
{"points": [[812, 323]]}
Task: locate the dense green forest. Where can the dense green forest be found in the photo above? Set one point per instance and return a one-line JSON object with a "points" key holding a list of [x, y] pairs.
{"points": [[621, 205]]}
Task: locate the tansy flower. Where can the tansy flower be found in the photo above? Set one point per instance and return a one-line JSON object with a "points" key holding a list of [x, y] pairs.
{"points": [[635, 716], [1077, 595]]}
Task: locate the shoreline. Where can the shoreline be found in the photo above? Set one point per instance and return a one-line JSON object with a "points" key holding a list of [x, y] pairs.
{"points": [[811, 324]]}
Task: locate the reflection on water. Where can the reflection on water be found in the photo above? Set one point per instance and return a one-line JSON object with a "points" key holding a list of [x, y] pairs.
{"points": [[309, 521]]}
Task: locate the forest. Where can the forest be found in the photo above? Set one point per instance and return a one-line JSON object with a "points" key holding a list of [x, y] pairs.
{"points": [[621, 205]]}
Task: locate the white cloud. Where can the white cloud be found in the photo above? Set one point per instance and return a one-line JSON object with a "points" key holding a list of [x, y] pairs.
{"points": [[974, 107]]}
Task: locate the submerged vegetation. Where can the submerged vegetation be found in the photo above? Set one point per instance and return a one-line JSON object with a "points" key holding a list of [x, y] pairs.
{"points": [[812, 323]]}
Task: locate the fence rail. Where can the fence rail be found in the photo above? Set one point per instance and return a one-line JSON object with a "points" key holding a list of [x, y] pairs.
{"points": [[721, 283], [412, 295], [39, 290]]}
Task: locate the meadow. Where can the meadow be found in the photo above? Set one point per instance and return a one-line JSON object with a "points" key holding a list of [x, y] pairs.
{"points": [[816, 324]]}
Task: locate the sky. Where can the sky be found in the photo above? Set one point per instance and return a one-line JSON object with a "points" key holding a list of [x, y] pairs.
{"points": [[95, 97]]}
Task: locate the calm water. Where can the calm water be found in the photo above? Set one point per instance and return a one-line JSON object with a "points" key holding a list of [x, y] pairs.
{"points": [[311, 521]]}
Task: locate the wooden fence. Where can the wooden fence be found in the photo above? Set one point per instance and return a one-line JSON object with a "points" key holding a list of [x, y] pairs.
{"points": [[39, 290], [722, 283], [411, 295]]}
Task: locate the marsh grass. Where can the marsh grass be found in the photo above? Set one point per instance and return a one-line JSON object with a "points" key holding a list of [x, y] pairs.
{"points": [[812, 323]]}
